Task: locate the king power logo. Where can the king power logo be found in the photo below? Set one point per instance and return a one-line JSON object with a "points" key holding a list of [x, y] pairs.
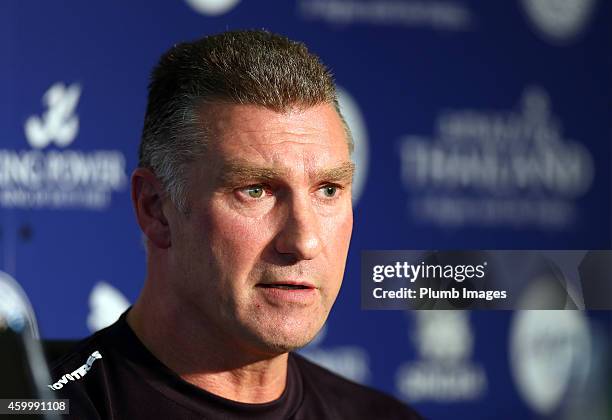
{"points": [[59, 123], [51, 175]]}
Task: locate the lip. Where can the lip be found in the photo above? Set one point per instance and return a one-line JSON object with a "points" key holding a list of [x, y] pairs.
{"points": [[276, 296], [288, 283]]}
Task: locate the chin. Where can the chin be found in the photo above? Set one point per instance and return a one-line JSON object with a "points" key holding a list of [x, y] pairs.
{"points": [[285, 346], [286, 338]]}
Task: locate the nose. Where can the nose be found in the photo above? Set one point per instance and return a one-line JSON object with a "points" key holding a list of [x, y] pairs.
{"points": [[299, 235]]}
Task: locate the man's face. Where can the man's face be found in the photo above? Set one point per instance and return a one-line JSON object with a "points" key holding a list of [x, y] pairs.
{"points": [[260, 257]]}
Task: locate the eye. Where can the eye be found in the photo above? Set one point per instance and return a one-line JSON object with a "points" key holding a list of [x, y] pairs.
{"points": [[255, 191], [330, 191]]}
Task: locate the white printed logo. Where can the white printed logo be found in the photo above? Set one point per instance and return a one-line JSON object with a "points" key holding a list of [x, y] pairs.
{"points": [[549, 355], [59, 123], [52, 178], [489, 167], [559, 20], [213, 7], [106, 304], [352, 362], [445, 341], [78, 373], [354, 119]]}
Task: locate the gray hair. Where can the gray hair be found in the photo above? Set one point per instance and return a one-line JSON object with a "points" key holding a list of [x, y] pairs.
{"points": [[242, 67]]}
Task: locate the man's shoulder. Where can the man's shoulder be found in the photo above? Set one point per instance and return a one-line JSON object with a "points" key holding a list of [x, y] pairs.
{"points": [[80, 375], [345, 394]]}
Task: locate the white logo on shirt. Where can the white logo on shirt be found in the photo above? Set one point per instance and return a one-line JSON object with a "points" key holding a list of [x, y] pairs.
{"points": [[78, 373]]}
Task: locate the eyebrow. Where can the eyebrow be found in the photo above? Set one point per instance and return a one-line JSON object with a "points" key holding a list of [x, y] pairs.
{"points": [[342, 173], [238, 172]]}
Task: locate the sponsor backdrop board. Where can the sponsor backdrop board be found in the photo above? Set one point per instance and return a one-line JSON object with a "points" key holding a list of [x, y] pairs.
{"points": [[478, 125]]}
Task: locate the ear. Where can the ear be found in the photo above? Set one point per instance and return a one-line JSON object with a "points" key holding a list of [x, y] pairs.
{"points": [[147, 198]]}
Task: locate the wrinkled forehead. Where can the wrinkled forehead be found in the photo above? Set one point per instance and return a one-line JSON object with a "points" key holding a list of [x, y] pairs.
{"points": [[302, 139], [241, 125]]}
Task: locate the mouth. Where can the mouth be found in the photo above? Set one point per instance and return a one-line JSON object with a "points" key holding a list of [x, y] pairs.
{"points": [[294, 293], [287, 285]]}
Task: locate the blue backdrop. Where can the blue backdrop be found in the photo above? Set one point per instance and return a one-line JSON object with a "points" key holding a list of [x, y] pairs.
{"points": [[478, 125]]}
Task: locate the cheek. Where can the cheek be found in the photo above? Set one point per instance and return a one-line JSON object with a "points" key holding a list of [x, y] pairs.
{"points": [[236, 239], [338, 232]]}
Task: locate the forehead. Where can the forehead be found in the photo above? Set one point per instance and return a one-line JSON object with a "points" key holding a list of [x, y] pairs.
{"points": [[302, 136]]}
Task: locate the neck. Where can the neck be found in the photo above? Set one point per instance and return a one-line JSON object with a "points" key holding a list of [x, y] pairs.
{"points": [[184, 344]]}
